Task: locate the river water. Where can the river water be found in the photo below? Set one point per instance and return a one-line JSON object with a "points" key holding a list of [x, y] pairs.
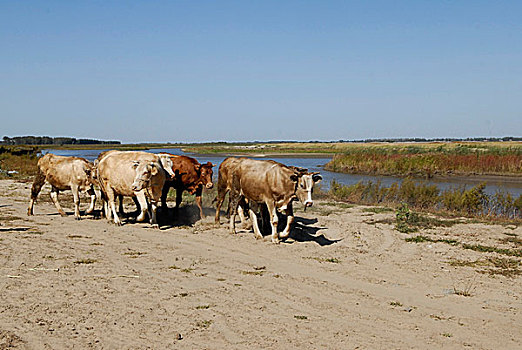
{"points": [[316, 164]]}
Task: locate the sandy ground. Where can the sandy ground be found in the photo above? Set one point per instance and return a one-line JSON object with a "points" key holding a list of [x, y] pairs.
{"points": [[346, 281]]}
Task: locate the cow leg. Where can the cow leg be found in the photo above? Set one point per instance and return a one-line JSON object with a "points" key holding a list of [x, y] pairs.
{"points": [[120, 207], [199, 194], [138, 206], [164, 194], [241, 213], [255, 226], [54, 197], [111, 199], [221, 193], [274, 220], [38, 182], [219, 202], [93, 200], [107, 209], [155, 198], [233, 200], [290, 220], [76, 197], [142, 200], [179, 196]]}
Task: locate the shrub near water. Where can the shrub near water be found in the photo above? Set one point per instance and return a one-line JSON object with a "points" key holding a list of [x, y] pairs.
{"points": [[21, 160], [427, 160], [462, 201]]}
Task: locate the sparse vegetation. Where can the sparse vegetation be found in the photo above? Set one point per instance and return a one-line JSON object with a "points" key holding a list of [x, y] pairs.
{"points": [[204, 324], [498, 266], [466, 292], [490, 249], [134, 254], [378, 210], [407, 221], [85, 261], [421, 239], [395, 303], [253, 273], [301, 317], [472, 202], [330, 260]]}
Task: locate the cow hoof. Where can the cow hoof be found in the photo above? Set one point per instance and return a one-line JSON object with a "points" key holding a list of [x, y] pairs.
{"points": [[63, 215], [77, 218], [117, 223], [29, 213], [276, 241], [89, 211], [258, 237], [156, 226]]}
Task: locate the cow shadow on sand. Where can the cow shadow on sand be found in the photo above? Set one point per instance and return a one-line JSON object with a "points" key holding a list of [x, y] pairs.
{"points": [[302, 231], [186, 215]]}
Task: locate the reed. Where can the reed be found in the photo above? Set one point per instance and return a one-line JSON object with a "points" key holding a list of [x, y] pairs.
{"points": [[425, 161], [472, 202]]}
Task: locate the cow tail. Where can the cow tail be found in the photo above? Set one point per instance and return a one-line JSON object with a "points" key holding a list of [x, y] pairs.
{"points": [[38, 182]]}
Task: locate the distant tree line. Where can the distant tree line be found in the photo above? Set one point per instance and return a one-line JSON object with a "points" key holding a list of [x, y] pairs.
{"points": [[46, 140], [444, 139]]}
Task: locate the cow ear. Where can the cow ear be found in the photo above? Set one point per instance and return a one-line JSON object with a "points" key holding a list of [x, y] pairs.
{"points": [[212, 164], [317, 178], [197, 167], [135, 164], [294, 177], [154, 169]]}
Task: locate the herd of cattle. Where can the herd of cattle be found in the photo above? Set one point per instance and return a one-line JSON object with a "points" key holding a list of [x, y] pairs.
{"points": [[254, 186]]}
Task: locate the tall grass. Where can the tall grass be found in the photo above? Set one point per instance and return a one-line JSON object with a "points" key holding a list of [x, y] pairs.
{"points": [[469, 202], [446, 159], [18, 161]]}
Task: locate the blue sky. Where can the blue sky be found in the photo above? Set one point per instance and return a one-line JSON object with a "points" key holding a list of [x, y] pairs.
{"points": [[191, 71]]}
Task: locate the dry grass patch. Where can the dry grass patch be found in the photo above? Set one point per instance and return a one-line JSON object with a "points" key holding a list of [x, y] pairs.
{"points": [[85, 261]]}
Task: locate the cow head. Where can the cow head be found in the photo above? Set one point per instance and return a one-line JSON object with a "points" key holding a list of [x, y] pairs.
{"points": [[144, 172], [167, 163], [305, 186], [205, 177], [86, 179]]}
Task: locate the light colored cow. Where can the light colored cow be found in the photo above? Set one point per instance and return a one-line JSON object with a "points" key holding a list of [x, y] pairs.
{"points": [[273, 184], [135, 174], [64, 173]]}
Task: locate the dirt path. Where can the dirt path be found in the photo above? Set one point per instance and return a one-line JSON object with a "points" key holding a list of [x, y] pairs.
{"points": [[348, 280]]}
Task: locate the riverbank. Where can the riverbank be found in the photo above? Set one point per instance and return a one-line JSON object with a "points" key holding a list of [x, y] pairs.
{"points": [[346, 279]]}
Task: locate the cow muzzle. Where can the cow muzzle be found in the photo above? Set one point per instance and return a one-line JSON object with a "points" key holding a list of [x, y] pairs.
{"points": [[308, 204], [209, 185], [138, 185]]}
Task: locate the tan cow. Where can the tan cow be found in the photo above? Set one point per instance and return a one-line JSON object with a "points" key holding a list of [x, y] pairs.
{"points": [[135, 174], [226, 169], [64, 173], [273, 184]]}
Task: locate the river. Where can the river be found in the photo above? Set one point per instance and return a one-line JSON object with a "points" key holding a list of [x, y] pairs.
{"points": [[316, 164]]}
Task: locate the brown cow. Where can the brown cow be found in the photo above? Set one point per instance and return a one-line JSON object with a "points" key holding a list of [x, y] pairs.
{"points": [[135, 174], [273, 184], [64, 173], [189, 176]]}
